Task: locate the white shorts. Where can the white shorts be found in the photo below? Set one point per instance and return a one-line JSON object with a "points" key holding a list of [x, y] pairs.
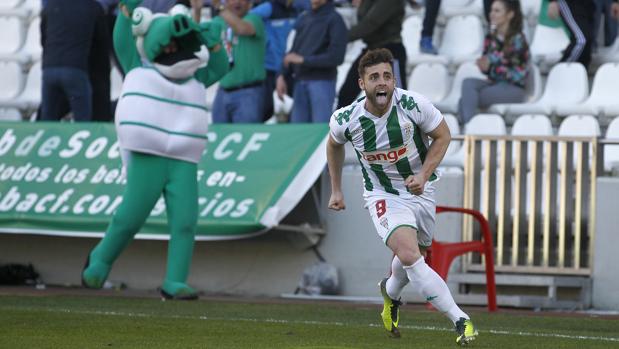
{"points": [[389, 212]]}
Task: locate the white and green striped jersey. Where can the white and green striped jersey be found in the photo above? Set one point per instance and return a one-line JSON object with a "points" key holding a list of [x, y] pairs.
{"points": [[390, 147]]}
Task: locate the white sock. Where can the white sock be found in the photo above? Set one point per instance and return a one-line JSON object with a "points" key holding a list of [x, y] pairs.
{"points": [[432, 287], [397, 280]]}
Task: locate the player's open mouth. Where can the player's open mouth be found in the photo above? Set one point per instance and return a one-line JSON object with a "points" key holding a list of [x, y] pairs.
{"points": [[381, 97]]}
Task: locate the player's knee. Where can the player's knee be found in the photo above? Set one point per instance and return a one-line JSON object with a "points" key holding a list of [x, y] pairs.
{"points": [[409, 257]]}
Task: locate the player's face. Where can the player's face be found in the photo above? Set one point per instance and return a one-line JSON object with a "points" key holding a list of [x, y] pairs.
{"points": [[378, 83]]}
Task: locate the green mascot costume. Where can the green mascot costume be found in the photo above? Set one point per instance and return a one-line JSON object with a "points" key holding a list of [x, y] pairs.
{"points": [[161, 123]]}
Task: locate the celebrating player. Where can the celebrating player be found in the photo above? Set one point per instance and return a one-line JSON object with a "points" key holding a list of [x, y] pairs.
{"points": [[389, 131]]}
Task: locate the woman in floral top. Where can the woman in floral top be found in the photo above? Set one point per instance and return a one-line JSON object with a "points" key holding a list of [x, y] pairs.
{"points": [[505, 61]]}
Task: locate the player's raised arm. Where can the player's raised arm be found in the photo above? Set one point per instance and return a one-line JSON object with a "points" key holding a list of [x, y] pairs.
{"points": [[335, 162], [440, 141]]}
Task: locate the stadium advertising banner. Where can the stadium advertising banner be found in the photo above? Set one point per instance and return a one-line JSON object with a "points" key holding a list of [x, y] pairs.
{"points": [[66, 178]]}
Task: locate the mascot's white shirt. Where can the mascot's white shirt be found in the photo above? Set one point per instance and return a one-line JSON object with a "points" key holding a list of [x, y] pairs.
{"points": [[157, 116]]}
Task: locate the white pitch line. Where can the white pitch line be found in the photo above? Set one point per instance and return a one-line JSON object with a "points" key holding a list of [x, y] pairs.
{"points": [[314, 322]]}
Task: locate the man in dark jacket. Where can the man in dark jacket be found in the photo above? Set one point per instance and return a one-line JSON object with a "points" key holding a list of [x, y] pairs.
{"points": [[69, 30], [379, 26], [319, 47]]}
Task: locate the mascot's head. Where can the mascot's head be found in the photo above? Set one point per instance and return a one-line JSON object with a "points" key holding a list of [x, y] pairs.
{"points": [[172, 42]]}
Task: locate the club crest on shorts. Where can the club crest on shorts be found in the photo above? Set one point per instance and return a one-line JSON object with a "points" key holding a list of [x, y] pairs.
{"points": [[384, 223]]}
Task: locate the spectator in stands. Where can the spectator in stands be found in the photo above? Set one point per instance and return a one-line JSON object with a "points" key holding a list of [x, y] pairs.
{"points": [[578, 18], [279, 17], [100, 65], [505, 61], [319, 47], [240, 95], [610, 9], [68, 30], [429, 22], [427, 30], [379, 26]]}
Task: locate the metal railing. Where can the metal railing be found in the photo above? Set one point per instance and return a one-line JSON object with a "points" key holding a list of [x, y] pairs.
{"points": [[538, 194]]}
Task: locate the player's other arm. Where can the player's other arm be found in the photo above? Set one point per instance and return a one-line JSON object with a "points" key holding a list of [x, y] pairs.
{"points": [[335, 162], [440, 141]]}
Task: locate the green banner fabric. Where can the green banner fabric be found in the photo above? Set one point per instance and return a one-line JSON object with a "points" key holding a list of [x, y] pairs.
{"points": [[66, 178]]}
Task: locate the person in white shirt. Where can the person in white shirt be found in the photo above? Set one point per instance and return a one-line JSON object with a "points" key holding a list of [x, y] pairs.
{"points": [[389, 130]]}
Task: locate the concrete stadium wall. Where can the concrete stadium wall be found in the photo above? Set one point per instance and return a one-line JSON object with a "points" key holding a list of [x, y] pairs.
{"points": [[606, 244], [272, 264], [267, 265]]}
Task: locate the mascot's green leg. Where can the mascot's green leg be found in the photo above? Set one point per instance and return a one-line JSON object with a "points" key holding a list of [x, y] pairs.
{"points": [[181, 195], [142, 191]]}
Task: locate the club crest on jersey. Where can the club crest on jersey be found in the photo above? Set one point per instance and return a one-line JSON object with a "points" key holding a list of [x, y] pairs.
{"points": [[390, 156], [408, 130]]}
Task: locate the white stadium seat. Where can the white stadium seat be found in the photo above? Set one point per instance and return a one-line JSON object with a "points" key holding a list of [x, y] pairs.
{"points": [[481, 125], [485, 124], [603, 94], [10, 4], [454, 129], [578, 126], [460, 48], [450, 8], [431, 80], [547, 45], [456, 48], [530, 8], [10, 114], [34, 6], [411, 34], [607, 54], [32, 47], [30, 98], [12, 80], [466, 70], [31, 94], [611, 152], [116, 83], [11, 34], [342, 71], [566, 83], [353, 50], [31, 50], [349, 15], [531, 125]]}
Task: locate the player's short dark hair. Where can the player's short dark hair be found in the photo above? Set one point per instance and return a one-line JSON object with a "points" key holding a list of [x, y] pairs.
{"points": [[374, 57]]}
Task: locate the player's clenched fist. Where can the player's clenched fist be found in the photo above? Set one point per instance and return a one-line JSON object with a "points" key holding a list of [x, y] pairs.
{"points": [[336, 202], [415, 184]]}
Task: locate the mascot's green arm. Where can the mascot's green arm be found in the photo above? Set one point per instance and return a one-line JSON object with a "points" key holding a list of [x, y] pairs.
{"points": [[124, 44], [216, 68]]}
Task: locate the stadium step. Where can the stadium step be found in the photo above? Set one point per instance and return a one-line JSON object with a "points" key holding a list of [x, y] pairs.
{"points": [[557, 286]]}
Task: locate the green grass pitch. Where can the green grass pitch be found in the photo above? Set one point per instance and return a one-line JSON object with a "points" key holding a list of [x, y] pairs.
{"points": [[100, 321]]}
